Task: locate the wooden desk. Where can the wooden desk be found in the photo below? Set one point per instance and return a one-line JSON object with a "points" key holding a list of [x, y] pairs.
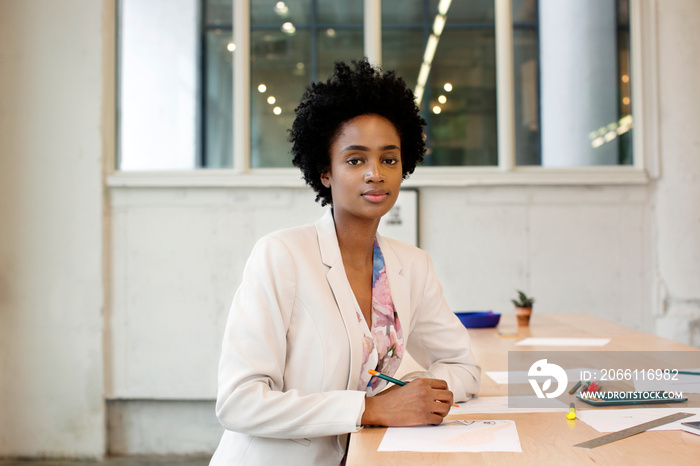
{"points": [[548, 438]]}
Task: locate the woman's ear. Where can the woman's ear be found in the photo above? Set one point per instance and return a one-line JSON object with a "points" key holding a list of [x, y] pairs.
{"points": [[326, 179]]}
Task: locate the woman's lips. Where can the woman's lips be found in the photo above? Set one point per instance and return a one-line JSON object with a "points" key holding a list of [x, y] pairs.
{"points": [[375, 195]]}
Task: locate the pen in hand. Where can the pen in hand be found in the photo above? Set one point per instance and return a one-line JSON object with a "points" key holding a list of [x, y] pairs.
{"points": [[386, 377], [395, 381]]}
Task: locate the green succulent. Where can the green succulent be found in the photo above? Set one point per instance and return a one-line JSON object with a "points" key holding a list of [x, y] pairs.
{"points": [[523, 300]]}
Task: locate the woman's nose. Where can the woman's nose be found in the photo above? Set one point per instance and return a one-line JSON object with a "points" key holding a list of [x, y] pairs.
{"points": [[374, 173]]}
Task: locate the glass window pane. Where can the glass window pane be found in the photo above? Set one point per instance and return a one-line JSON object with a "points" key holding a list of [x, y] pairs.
{"points": [[527, 96], [402, 50], [340, 12], [571, 72], [158, 84], [472, 11], [292, 45], [526, 67], [463, 120], [586, 102], [271, 12], [218, 92], [218, 12], [338, 45], [279, 73], [524, 11], [624, 130], [403, 12], [458, 97]]}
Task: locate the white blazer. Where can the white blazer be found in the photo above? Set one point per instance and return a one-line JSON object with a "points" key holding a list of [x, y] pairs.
{"points": [[292, 348]]}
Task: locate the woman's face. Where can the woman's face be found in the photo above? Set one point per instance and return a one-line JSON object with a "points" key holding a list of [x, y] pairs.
{"points": [[365, 168]]}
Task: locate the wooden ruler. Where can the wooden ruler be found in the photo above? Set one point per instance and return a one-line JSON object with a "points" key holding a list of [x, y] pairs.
{"points": [[624, 433]]}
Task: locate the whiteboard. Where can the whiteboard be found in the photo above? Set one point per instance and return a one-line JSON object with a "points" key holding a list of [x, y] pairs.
{"points": [[401, 222]]}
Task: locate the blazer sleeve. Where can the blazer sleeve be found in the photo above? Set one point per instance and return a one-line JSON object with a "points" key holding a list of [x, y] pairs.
{"points": [[252, 397], [440, 342]]}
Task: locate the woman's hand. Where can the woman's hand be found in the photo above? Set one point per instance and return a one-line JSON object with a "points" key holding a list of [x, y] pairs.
{"points": [[420, 402]]}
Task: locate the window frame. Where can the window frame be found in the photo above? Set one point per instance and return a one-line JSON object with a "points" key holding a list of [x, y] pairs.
{"points": [[643, 57]]}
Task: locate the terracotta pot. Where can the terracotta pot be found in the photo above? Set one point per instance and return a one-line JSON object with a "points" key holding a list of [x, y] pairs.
{"points": [[523, 316]]}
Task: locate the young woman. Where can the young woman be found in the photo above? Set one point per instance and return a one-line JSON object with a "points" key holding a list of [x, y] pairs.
{"points": [[321, 304]]}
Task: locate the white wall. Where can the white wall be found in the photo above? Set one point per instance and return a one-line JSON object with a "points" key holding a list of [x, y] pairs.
{"points": [[576, 249], [51, 281], [179, 253], [627, 253], [677, 202], [178, 256]]}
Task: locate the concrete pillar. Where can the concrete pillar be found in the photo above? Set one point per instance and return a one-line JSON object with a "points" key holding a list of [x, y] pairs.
{"points": [[52, 62], [677, 201], [578, 66]]}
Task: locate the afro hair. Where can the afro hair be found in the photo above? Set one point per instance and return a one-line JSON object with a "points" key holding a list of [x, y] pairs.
{"points": [[352, 91]]}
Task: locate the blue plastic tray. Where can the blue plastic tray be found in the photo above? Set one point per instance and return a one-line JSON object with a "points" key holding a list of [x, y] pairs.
{"points": [[480, 319]]}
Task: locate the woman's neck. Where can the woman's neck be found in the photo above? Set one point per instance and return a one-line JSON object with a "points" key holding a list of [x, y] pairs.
{"points": [[356, 240]]}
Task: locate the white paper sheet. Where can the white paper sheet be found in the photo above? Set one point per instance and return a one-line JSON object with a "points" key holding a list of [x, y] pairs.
{"points": [[454, 436], [532, 341], [499, 405], [506, 377], [685, 383], [612, 420]]}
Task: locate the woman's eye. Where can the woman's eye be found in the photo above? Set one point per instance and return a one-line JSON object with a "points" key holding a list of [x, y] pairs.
{"points": [[353, 161], [391, 161]]}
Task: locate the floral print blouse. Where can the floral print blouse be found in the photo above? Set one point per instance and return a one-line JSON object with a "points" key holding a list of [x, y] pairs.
{"points": [[382, 341]]}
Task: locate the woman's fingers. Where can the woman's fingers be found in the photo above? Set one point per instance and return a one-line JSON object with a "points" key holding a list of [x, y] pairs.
{"points": [[420, 402], [437, 384]]}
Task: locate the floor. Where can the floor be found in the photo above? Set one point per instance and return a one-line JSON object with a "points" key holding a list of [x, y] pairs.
{"points": [[118, 461]]}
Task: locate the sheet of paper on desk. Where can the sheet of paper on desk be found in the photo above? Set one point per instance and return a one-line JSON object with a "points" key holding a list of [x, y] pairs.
{"points": [[686, 383], [506, 377], [532, 341], [454, 436], [612, 420], [499, 405]]}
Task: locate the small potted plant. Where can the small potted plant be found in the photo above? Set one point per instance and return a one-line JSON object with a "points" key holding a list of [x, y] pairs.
{"points": [[523, 308]]}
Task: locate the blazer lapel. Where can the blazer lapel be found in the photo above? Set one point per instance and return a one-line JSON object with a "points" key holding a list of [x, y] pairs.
{"points": [[344, 297]]}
